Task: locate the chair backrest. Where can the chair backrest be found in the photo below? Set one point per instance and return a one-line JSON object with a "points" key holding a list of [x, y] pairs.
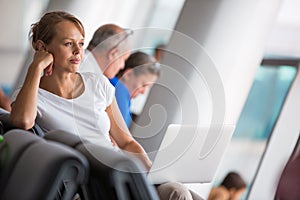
{"points": [[3, 114], [39, 169], [11, 149], [1, 128], [6, 125], [113, 175]]}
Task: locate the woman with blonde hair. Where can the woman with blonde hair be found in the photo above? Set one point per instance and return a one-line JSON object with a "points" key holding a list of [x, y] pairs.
{"points": [[61, 98]]}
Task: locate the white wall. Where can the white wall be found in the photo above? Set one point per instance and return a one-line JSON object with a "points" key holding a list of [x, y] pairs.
{"points": [[284, 39], [16, 18]]}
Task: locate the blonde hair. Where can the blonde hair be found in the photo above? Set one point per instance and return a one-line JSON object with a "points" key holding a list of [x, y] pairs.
{"points": [[44, 30]]}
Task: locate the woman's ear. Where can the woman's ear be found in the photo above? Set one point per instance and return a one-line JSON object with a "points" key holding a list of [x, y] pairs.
{"points": [[40, 45]]}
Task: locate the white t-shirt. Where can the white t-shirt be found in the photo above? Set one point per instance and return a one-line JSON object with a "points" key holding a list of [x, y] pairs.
{"points": [[84, 116]]}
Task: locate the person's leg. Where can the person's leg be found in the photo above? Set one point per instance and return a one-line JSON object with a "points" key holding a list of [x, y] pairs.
{"points": [[173, 191]]}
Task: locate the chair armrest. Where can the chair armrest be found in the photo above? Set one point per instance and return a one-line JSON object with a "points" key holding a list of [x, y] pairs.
{"points": [[6, 125], [113, 174], [41, 169]]}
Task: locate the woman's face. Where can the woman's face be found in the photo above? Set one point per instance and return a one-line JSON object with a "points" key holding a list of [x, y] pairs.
{"points": [[139, 84], [67, 47]]}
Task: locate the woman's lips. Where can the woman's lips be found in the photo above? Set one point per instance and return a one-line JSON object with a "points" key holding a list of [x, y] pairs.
{"points": [[75, 61]]}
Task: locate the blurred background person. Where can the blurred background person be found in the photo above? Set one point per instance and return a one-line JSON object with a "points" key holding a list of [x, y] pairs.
{"points": [[233, 183], [219, 193], [140, 72], [107, 50]]}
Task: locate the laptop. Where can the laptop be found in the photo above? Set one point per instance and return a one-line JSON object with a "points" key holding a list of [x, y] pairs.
{"points": [[190, 153]]}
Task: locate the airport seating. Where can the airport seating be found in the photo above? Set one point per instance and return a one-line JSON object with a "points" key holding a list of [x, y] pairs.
{"points": [[6, 125], [32, 168], [118, 184], [113, 175]]}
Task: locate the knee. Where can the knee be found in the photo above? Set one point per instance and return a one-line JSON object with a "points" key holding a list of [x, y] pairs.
{"points": [[180, 193], [174, 191]]}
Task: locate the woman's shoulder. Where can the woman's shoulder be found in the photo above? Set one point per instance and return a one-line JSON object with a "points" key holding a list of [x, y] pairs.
{"points": [[93, 76], [97, 80]]}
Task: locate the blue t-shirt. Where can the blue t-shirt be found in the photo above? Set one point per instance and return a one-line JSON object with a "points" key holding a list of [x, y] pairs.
{"points": [[123, 99]]}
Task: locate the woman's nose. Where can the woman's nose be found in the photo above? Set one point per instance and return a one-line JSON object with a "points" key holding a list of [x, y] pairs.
{"points": [[76, 50]]}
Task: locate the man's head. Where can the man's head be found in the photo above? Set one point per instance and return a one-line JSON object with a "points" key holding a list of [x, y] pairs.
{"points": [[110, 47]]}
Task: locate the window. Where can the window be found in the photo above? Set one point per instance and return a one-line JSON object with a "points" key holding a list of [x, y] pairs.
{"points": [[257, 120]]}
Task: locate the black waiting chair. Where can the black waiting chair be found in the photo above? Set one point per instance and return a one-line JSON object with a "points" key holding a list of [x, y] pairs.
{"points": [[113, 175], [32, 168], [1, 128]]}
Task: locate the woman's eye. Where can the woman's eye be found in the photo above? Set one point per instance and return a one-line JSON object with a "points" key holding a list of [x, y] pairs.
{"points": [[81, 44], [68, 44]]}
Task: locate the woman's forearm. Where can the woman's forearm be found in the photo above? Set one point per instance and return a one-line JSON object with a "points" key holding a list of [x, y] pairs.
{"points": [[24, 108], [136, 149]]}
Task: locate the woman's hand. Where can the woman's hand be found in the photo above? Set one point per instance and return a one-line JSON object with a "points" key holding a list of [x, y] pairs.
{"points": [[122, 137], [44, 60]]}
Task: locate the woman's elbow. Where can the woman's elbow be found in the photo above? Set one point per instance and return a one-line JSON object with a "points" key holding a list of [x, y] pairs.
{"points": [[22, 122]]}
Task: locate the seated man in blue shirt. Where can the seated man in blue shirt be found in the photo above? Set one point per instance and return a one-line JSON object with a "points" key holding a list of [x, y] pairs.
{"points": [[140, 72]]}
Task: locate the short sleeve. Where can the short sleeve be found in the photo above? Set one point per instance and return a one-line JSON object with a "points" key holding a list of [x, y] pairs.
{"points": [[15, 94], [110, 92], [108, 89]]}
